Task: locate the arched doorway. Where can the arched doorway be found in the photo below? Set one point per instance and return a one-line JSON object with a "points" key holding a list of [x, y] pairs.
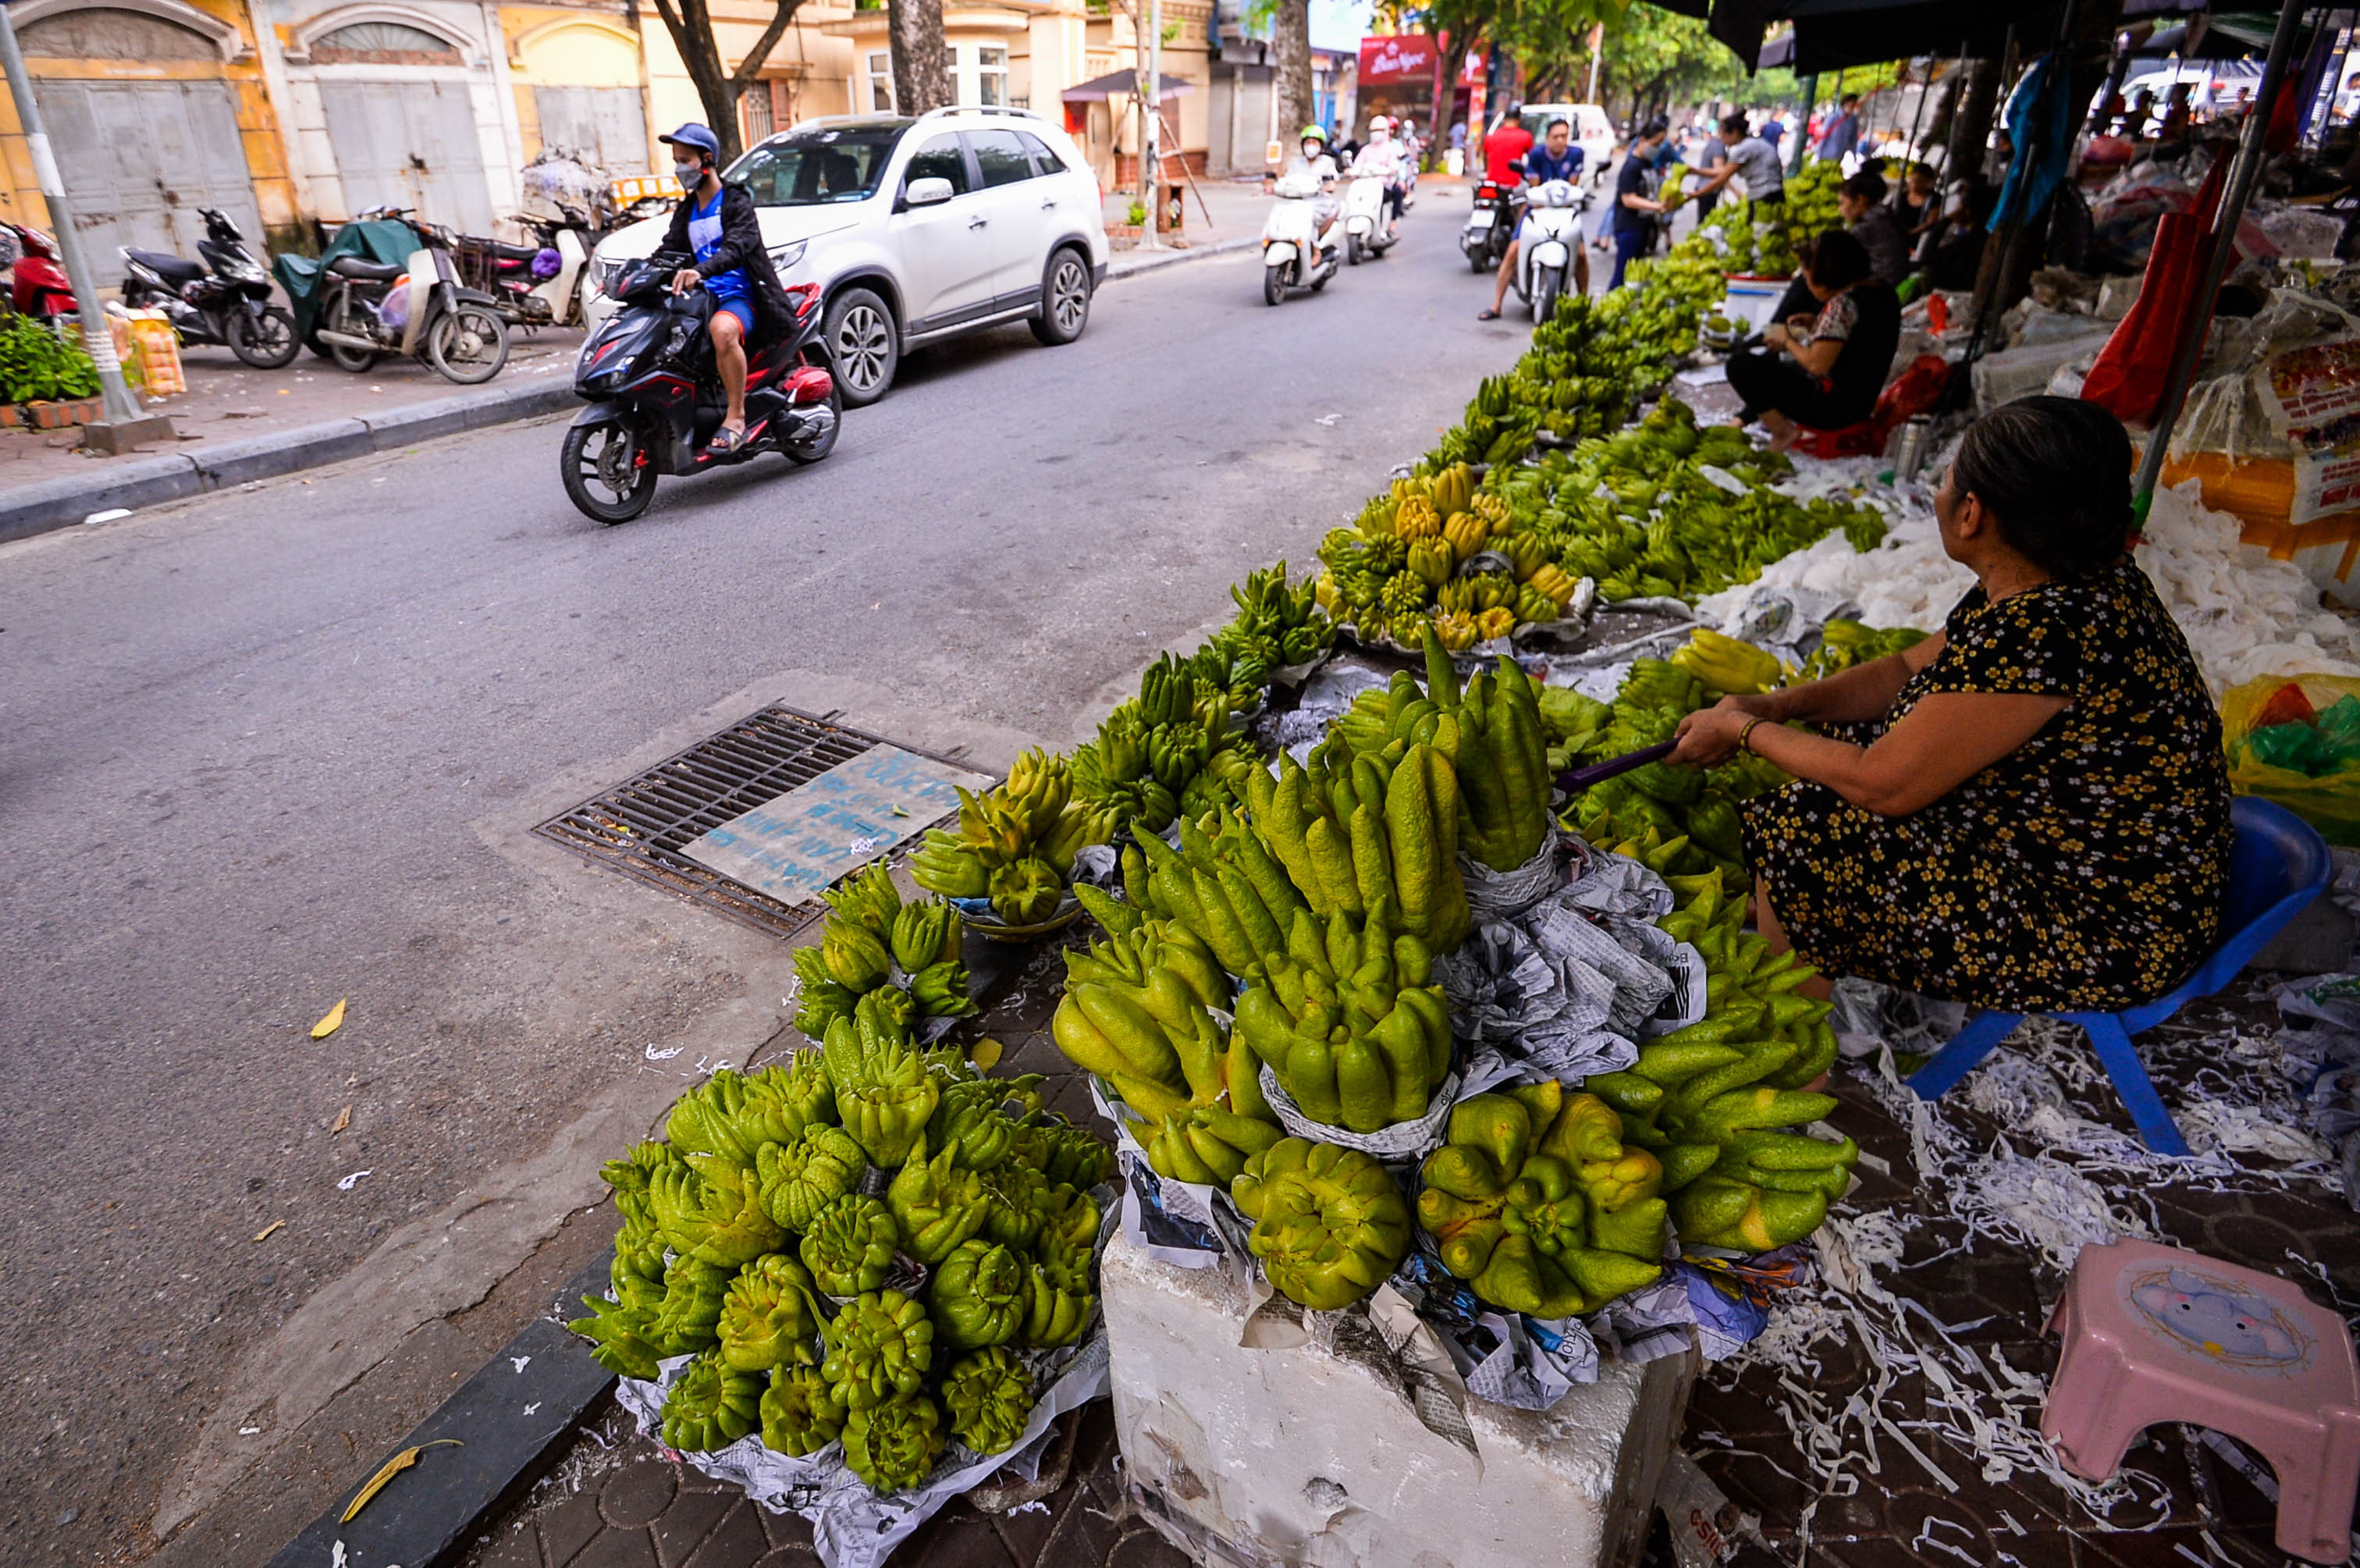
{"points": [[399, 88], [146, 154]]}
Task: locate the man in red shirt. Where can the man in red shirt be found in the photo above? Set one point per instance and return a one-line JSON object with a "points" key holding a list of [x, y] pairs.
{"points": [[1504, 148]]}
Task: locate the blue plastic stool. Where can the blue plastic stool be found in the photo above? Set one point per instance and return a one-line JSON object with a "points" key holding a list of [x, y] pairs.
{"points": [[2278, 864]]}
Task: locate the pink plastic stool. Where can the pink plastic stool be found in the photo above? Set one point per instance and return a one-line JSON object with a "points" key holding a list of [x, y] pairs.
{"points": [[2156, 1335]]}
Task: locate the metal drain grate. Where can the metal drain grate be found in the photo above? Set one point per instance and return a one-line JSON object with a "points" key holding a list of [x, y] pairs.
{"points": [[640, 828]]}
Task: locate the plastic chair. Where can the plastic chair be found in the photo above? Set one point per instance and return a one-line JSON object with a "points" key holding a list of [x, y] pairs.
{"points": [[1852, 441], [2155, 1334], [2277, 866]]}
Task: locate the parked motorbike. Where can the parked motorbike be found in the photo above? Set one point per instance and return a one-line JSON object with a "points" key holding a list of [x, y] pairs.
{"points": [[369, 309], [1364, 220], [1490, 227], [1292, 255], [656, 397], [224, 299], [1552, 240], [37, 275]]}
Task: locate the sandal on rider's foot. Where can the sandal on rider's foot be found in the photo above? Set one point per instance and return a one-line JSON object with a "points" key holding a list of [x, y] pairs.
{"points": [[1487, 315], [726, 441]]}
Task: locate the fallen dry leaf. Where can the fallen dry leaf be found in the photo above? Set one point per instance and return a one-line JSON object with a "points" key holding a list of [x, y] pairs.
{"points": [[343, 1120], [264, 1234], [332, 1022], [393, 1467], [985, 1055]]}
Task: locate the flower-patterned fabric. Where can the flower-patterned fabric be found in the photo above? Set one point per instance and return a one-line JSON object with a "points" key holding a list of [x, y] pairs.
{"points": [[2083, 871]]}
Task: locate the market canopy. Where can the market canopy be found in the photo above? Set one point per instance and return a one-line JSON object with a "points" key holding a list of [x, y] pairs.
{"points": [[1099, 89], [1834, 35]]}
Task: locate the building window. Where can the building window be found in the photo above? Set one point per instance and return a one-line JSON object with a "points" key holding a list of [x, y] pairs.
{"points": [[383, 43], [755, 105], [991, 75], [880, 81]]}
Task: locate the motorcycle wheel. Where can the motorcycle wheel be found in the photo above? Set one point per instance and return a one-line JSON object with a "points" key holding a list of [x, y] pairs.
{"points": [[353, 359], [1352, 250], [606, 474], [1475, 263], [810, 455], [1545, 299], [467, 344], [1274, 285], [265, 340]]}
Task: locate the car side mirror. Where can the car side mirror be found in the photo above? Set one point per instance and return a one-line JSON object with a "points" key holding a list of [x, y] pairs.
{"points": [[931, 192]]}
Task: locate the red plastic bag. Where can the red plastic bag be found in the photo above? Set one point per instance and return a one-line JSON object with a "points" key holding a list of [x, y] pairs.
{"points": [[2127, 380], [1915, 391]]}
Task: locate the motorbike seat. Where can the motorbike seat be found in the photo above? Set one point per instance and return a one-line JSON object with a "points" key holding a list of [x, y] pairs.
{"points": [[171, 268], [503, 251], [366, 271]]}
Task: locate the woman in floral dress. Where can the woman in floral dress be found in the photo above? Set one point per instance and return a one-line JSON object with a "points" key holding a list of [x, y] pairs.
{"points": [[2034, 814]]}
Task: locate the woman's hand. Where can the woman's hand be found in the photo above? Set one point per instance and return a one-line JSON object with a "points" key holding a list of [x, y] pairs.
{"points": [[1708, 738], [684, 280], [1775, 336]]}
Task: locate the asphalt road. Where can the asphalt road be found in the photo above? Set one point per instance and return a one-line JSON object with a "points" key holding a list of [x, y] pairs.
{"points": [[273, 748]]}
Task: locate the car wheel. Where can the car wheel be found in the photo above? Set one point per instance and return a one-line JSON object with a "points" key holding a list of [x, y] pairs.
{"points": [[1064, 299], [864, 346]]}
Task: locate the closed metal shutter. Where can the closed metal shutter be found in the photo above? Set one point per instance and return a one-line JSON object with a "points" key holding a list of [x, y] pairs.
{"points": [[409, 144], [603, 123], [145, 157]]}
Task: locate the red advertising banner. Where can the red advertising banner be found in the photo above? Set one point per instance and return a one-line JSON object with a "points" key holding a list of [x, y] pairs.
{"points": [[1400, 57]]}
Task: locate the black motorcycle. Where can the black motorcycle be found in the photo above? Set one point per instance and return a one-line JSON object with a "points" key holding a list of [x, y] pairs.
{"points": [[224, 299], [656, 397], [1490, 227]]}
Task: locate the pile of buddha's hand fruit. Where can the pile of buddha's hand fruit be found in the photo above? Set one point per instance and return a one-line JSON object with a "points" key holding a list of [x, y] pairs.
{"points": [[1015, 844], [1677, 820], [1843, 643], [747, 1242], [1286, 947], [1720, 1102], [869, 937], [1434, 551], [1767, 241], [1174, 749]]}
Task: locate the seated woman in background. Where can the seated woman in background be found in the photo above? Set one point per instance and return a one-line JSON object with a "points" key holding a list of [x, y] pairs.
{"points": [[1823, 371], [2039, 820]]}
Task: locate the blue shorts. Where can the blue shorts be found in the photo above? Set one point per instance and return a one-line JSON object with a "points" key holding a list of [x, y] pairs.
{"points": [[743, 309]]}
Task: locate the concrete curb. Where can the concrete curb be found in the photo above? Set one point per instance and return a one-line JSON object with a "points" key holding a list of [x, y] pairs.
{"points": [[1156, 261], [509, 1418], [140, 482]]}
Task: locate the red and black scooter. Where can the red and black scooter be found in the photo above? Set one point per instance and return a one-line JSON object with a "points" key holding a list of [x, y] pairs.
{"points": [[656, 398], [37, 278]]}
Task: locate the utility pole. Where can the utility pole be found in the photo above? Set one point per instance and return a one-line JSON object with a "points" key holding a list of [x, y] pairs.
{"points": [[1597, 48], [1811, 90], [124, 426], [1153, 139]]}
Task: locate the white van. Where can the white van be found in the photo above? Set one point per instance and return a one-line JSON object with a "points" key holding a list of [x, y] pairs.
{"points": [[1592, 132]]}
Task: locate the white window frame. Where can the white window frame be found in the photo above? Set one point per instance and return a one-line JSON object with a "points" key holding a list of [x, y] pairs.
{"points": [[988, 71], [879, 67]]}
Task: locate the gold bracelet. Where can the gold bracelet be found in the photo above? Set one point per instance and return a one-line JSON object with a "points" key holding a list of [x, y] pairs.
{"points": [[1746, 734]]}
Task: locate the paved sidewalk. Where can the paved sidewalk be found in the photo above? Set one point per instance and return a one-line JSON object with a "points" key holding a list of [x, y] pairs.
{"points": [[229, 402]]}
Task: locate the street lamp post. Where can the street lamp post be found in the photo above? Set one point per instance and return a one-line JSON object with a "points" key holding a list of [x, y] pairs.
{"points": [[124, 426]]}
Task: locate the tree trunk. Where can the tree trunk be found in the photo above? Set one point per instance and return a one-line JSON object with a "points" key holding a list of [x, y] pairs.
{"points": [[1290, 59], [1971, 124], [718, 88], [922, 78]]}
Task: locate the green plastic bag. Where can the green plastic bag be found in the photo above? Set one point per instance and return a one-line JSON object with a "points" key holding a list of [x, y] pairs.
{"points": [[2266, 761]]}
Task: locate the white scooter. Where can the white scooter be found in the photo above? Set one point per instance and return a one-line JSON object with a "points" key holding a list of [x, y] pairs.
{"points": [[1364, 219], [1293, 255], [1551, 235]]}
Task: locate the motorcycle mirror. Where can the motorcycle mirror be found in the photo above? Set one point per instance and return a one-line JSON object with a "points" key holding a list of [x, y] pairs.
{"points": [[931, 192]]}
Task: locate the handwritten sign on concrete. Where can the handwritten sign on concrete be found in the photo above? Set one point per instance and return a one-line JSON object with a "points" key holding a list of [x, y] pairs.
{"points": [[795, 844]]}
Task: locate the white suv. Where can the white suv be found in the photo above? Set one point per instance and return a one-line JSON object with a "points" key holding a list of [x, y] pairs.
{"points": [[916, 230]]}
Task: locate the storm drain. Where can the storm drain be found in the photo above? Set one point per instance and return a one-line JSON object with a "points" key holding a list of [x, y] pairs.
{"points": [[642, 828]]}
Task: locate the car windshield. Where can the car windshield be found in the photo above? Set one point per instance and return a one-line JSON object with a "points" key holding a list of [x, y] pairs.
{"points": [[815, 167]]}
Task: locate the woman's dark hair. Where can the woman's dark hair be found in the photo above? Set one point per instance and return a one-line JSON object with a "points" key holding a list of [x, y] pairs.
{"points": [[1657, 127], [1733, 125], [1865, 186], [2056, 472], [1838, 260]]}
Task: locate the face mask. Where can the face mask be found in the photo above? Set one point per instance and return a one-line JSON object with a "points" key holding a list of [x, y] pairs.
{"points": [[689, 174]]}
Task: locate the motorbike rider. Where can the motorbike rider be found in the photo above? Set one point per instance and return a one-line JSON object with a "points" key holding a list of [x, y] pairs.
{"points": [[1312, 159], [716, 224], [1381, 160], [1555, 158]]}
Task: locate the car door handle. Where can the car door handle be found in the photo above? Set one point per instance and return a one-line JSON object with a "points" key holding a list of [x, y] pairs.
{"points": [[976, 223], [1048, 203]]}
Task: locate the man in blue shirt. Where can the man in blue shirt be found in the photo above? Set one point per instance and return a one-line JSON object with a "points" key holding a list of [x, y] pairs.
{"points": [[716, 224], [1841, 133], [1556, 158]]}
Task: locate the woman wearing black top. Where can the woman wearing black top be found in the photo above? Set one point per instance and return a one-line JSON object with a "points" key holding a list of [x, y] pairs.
{"points": [[1823, 371]]}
